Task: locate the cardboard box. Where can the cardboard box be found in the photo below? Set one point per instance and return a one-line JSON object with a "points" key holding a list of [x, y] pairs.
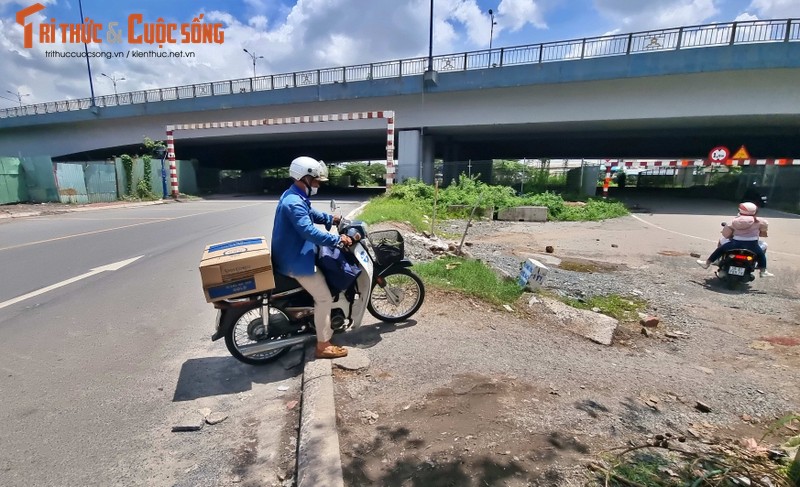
{"points": [[533, 274], [236, 268]]}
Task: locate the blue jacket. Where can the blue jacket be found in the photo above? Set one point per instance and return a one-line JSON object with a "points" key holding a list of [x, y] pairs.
{"points": [[294, 236]]}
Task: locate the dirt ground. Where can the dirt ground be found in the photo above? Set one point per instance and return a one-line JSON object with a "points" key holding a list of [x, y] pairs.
{"points": [[468, 394]]}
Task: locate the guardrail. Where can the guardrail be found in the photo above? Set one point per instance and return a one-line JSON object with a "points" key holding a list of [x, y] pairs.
{"points": [[691, 37]]}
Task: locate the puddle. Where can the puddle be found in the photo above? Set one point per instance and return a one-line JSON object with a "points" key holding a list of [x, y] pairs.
{"points": [[587, 266]]}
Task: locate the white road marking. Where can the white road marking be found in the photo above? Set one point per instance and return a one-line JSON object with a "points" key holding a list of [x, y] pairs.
{"points": [[120, 228], [97, 270]]}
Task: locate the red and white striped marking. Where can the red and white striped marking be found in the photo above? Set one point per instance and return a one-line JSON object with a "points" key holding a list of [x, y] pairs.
{"points": [[173, 169], [388, 115], [708, 162]]}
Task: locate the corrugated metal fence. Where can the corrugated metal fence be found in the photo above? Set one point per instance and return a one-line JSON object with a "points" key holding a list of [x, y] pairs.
{"points": [[38, 179], [12, 188]]}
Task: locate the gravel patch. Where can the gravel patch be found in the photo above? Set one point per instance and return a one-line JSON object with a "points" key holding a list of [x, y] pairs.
{"points": [[580, 396]]}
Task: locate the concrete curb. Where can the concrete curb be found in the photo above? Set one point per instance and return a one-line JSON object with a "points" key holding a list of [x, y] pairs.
{"points": [[355, 212], [59, 211], [319, 463]]}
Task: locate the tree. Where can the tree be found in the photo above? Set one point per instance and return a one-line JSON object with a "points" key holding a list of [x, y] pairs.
{"points": [[359, 174]]}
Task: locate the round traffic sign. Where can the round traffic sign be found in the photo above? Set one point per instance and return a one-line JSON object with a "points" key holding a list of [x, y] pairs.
{"points": [[719, 154]]}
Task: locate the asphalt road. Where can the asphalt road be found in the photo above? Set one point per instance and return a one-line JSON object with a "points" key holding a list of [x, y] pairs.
{"points": [[94, 374], [698, 221]]}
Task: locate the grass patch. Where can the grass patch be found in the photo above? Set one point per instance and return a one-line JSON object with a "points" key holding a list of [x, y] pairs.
{"points": [[382, 209], [471, 277], [644, 469], [620, 307], [412, 201]]}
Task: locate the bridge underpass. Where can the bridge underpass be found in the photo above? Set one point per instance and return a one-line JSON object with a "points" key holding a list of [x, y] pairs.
{"points": [[637, 139]]}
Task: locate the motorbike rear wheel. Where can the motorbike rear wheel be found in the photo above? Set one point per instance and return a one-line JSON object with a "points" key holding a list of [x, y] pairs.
{"points": [[398, 298], [242, 327]]}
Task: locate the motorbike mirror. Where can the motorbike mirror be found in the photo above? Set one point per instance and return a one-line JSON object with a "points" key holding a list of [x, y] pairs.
{"points": [[333, 205]]}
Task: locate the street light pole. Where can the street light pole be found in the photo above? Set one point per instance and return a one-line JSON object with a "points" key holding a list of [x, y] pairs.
{"points": [[430, 40], [114, 80], [254, 57], [18, 95], [491, 34], [86, 50]]}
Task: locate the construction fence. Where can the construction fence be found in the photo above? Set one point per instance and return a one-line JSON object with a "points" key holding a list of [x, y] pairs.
{"points": [[40, 180]]}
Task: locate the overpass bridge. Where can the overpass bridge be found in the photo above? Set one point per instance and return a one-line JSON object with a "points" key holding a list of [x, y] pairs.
{"points": [[670, 94]]}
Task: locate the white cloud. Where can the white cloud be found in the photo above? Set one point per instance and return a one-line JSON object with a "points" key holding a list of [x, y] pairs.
{"points": [[639, 15], [776, 9], [311, 34], [517, 13], [258, 22], [24, 3], [744, 17]]}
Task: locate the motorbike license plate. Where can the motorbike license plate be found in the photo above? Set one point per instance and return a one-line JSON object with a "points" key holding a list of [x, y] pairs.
{"points": [[736, 271]]}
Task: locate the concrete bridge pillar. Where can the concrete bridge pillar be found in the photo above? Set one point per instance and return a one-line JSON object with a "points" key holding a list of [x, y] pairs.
{"points": [[409, 154], [428, 151], [415, 156]]}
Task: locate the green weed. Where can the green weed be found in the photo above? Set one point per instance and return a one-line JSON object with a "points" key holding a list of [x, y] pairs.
{"points": [[471, 277]]}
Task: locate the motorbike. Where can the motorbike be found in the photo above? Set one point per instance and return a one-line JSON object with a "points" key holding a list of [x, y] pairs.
{"points": [[262, 327], [736, 267], [754, 195]]}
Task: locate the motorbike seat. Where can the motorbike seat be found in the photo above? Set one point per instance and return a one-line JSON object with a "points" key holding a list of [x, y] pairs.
{"points": [[285, 283]]}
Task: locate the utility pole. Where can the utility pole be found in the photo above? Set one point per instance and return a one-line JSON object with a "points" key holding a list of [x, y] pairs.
{"points": [[253, 57]]}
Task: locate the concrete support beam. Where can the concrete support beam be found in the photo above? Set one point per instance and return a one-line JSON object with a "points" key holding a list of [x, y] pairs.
{"points": [[428, 151], [409, 154]]}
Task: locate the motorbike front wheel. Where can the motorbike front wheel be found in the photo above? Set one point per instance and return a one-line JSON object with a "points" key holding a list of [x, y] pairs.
{"points": [[396, 296], [244, 327]]}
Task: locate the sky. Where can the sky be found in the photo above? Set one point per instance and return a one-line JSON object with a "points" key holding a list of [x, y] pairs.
{"points": [[310, 34]]}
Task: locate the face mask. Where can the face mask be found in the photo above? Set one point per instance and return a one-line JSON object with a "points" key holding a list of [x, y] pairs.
{"points": [[313, 191]]}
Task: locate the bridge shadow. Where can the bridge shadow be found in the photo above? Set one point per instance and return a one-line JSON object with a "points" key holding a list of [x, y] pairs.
{"points": [[274, 193], [217, 376], [680, 202]]}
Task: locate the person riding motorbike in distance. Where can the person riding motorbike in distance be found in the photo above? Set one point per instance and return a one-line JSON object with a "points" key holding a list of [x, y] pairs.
{"points": [[295, 239], [743, 232]]}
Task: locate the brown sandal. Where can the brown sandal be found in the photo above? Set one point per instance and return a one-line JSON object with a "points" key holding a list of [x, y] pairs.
{"points": [[332, 351]]}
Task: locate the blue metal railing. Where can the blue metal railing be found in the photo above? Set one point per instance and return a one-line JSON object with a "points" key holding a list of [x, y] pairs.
{"points": [[691, 37]]}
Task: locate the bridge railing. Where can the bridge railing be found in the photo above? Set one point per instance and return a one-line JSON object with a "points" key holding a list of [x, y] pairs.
{"points": [[690, 37]]}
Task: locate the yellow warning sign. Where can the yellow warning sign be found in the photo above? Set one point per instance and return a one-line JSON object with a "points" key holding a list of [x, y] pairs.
{"points": [[741, 153]]}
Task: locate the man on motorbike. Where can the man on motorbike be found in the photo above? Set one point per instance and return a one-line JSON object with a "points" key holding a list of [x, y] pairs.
{"points": [[744, 232], [295, 240]]}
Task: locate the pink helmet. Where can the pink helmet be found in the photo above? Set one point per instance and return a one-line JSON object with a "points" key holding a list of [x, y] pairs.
{"points": [[747, 209]]}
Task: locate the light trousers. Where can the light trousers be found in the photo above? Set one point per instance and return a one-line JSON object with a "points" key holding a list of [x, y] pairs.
{"points": [[323, 302]]}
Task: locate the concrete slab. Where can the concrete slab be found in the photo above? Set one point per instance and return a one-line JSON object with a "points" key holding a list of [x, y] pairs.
{"points": [[596, 327], [356, 359], [523, 214]]}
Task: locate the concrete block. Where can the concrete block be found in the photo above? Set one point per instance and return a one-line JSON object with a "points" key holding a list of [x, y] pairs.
{"points": [[524, 214], [533, 274], [594, 326]]}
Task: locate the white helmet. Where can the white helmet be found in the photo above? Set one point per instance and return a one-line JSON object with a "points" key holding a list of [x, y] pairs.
{"points": [[748, 209], [308, 166]]}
